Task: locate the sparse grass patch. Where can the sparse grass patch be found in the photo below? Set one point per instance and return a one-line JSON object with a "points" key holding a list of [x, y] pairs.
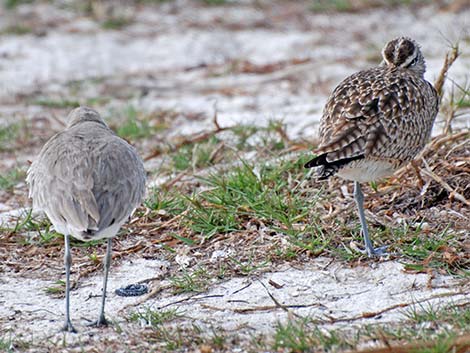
{"points": [[12, 177], [11, 4], [350, 5], [134, 128], [8, 134], [165, 202], [187, 282], [138, 125], [247, 192], [162, 336], [331, 5], [25, 222], [57, 103], [116, 23], [6, 344], [57, 290], [87, 244], [11, 344], [311, 237], [457, 316], [249, 266], [269, 138], [302, 335], [214, 2], [196, 155], [463, 100], [16, 29], [440, 251], [39, 229], [427, 328], [155, 318]]}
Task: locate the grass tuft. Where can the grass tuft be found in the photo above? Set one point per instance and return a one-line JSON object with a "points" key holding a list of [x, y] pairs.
{"points": [[247, 192], [138, 125], [302, 335], [11, 4], [155, 318], [116, 23], [57, 103], [11, 178], [57, 290], [8, 134], [187, 282], [17, 29]]}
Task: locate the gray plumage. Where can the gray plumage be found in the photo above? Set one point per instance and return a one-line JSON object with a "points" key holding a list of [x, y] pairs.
{"points": [[88, 181], [377, 120]]}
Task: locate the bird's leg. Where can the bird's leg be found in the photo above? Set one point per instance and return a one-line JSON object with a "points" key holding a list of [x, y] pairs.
{"points": [[107, 263], [359, 197], [68, 263]]}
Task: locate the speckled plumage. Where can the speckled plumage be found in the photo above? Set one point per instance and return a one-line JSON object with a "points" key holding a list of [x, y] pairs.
{"points": [[377, 119]]}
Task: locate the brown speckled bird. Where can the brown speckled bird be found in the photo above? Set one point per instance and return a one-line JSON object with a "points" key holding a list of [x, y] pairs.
{"points": [[376, 121]]}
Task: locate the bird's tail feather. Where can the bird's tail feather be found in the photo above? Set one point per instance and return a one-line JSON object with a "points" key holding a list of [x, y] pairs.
{"points": [[327, 168]]}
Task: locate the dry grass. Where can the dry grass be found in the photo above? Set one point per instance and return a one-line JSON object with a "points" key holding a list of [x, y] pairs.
{"points": [[272, 212]]}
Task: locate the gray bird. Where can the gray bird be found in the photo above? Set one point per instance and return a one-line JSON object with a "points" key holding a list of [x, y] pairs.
{"points": [[376, 121], [88, 181]]}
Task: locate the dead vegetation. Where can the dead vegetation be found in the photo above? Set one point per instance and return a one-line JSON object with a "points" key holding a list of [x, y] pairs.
{"points": [[243, 188]]}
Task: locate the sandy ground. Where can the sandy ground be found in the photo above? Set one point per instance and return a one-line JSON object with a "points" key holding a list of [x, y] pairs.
{"points": [[187, 57], [335, 295]]}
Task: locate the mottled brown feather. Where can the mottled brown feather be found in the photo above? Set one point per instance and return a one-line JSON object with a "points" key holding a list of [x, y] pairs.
{"points": [[384, 113]]}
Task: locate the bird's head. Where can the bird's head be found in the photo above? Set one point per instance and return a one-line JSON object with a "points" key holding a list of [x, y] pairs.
{"points": [[405, 53], [83, 114]]}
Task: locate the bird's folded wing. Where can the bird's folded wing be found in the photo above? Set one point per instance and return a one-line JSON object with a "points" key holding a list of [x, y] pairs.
{"points": [[61, 184], [356, 124], [119, 182]]}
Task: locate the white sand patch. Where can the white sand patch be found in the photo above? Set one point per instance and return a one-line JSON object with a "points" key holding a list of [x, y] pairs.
{"points": [[320, 290]]}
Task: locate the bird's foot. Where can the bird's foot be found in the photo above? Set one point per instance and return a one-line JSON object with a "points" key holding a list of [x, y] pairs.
{"points": [[370, 251], [380, 251], [68, 327], [101, 322]]}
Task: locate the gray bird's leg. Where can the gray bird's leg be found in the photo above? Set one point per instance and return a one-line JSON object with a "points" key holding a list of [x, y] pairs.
{"points": [[68, 263], [107, 263], [359, 197]]}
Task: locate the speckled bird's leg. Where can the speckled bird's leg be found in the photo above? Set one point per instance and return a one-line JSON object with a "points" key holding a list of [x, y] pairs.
{"points": [[68, 263], [107, 263], [359, 197]]}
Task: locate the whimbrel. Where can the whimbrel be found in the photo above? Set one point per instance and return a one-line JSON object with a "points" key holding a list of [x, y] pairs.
{"points": [[88, 181], [376, 121]]}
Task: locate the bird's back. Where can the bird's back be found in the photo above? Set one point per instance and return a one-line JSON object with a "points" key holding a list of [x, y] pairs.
{"points": [[87, 180], [375, 121]]}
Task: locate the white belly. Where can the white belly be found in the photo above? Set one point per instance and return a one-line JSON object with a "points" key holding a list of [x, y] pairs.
{"points": [[364, 170], [64, 228]]}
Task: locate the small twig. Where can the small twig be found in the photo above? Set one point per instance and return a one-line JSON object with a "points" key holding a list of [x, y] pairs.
{"points": [[369, 315], [189, 140], [458, 345], [450, 58], [194, 296], [279, 305], [242, 288], [214, 119], [169, 183], [452, 193], [261, 308]]}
